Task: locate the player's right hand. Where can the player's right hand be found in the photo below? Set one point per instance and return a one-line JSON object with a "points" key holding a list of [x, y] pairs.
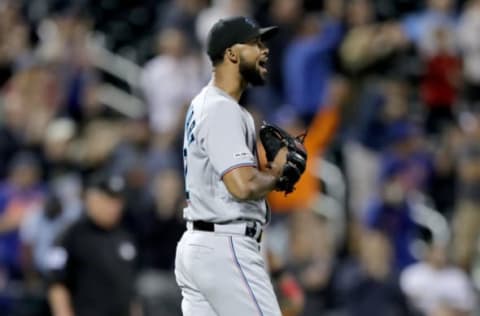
{"points": [[279, 162]]}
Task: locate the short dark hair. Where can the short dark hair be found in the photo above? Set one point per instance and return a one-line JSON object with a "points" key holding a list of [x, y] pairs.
{"points": [[227, 32], [217, 58]]}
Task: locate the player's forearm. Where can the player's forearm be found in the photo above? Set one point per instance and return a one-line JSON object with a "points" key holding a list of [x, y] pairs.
{"points": [[250, 183], [259, 185], [60, 302]]}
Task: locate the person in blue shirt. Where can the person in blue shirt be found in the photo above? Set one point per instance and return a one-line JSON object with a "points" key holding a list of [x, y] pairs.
{"points": [[391, 214], [309, 64]]}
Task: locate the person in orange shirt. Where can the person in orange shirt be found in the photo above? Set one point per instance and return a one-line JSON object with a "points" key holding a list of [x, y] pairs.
{"points": [[320, 133]]}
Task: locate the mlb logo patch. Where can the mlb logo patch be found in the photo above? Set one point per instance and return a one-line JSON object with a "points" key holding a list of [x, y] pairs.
{"points": [[251, 22], [241, 155]]}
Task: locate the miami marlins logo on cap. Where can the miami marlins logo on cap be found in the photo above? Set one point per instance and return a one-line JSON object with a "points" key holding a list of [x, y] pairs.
{"points": [[250, 21]]}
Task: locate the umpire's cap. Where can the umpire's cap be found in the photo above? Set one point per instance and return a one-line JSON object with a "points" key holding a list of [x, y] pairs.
{"points": [[112, 185], [231, 31]]}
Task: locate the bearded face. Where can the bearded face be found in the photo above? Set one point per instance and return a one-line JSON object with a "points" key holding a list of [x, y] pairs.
{"points": [[252, 72]]}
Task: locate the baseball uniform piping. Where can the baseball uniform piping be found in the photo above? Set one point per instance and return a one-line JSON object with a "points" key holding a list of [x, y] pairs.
{"points": [[237, 263]]}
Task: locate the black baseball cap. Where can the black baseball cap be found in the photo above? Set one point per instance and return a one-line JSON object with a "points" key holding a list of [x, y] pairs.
{"points": [[231, 31], [113, 185]]}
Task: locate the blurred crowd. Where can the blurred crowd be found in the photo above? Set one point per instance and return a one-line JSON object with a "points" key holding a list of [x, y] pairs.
{"points": [[386, 220]]}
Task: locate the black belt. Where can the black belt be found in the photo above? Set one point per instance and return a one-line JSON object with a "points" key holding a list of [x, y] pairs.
{"points": [[250, 230]]}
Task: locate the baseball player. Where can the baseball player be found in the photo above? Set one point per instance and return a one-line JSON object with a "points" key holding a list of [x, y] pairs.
{"points": [[219, 267]]}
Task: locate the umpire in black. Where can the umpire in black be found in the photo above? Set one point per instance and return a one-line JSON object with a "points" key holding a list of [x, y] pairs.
{"points": [[92, 265]]}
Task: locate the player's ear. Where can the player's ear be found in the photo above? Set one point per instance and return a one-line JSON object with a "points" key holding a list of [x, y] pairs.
{"points": [[232, 55]]}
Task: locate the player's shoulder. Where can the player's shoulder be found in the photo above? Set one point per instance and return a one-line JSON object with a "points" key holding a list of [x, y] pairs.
{"points": [[211, 96], [212, 100]]}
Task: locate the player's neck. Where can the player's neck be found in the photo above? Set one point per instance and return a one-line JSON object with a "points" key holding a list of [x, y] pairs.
{"points": [[230, 83]]}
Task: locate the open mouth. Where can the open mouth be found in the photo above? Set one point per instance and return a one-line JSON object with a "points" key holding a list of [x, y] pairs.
{"points": [[263, 64]]}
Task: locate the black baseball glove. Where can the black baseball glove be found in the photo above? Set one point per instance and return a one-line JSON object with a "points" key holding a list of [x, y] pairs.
{"points": [[273, 138]]}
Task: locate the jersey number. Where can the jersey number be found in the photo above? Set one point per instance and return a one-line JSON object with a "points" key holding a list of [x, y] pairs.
{"points": [[188, 139]]}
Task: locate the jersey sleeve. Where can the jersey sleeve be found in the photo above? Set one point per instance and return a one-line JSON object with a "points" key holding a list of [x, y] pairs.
{"points": [[225, 139]]}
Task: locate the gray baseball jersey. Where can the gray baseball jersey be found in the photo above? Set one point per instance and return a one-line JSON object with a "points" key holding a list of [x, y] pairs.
{"points": [[219, 137]]}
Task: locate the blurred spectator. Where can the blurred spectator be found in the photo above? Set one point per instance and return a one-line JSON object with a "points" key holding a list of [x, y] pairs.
{"points": [[32, 98], [289, 293], [160, 227], [275, 246], [15, 50], [407, 147], [40, 229], [309, 64], [13, 121], [368, 43], [63, 43], [434, 285], [99, 280], [62, 37], [57, 148], [181, 15], [320, 134], [287, 15], [311, 259], [443, 181], [128, 154], [469, 42], [333, 11], [367, 285], [391, 214], [95, 145], [441, 81], [380, 106], [378, 292], [419, 26], [20, 194], [405, 169], [466, 222], [139, 199], [169, 82]]}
